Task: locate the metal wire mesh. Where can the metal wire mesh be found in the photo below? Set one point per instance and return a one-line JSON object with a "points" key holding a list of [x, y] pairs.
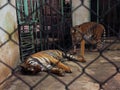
{"points": [[45, 24]]}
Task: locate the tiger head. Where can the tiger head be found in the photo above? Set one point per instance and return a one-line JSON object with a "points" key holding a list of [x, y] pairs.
{"points": [[30, 66], [76, 34]]}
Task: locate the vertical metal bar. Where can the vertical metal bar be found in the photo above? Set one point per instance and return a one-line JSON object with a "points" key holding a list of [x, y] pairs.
{"points": [[97, 11], [35, 11], [108, 23], [62, 12], [44, 21], [62, 26], [18, 21], [18, 12], [26, 7], [89, 12], [90, 8], [71, 13], [31, 9], [22, 9], [40, 16]]}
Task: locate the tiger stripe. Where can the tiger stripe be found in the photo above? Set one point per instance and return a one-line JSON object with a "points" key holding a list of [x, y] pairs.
{"points": [[90, 32], [48, 60]]}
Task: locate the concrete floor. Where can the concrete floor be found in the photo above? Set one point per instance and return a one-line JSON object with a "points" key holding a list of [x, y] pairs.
{"points": [[98, 70]]}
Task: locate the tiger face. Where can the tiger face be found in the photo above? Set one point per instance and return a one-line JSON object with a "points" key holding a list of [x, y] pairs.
{"points": [[31, 66], [76, 35]]}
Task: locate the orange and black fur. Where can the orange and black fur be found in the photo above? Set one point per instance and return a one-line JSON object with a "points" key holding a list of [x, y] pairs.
{"points": [[89, 32], [48, 60]]}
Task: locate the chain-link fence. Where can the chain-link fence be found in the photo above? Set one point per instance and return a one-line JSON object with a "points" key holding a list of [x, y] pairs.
{"points": [[45, 24]]}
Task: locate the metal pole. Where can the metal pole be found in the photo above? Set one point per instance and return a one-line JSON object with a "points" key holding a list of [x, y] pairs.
{"points": [[97, 11], [26, 7]]}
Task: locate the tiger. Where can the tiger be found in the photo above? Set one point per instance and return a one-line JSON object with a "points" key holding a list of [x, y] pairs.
{"points": [[88, 32], [48, 61]]}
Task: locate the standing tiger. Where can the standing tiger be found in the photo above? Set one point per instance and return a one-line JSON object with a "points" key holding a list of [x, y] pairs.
{"points": [[48, 61], [89, 32]]}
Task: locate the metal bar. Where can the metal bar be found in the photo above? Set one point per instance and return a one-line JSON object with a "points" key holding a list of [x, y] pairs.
{"points": [[97, 11], [26, 7], [40, 5], [18, 4]]}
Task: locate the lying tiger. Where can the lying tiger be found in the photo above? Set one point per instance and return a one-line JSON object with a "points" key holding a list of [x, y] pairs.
{"points": [[48, 61], [89, 32]]}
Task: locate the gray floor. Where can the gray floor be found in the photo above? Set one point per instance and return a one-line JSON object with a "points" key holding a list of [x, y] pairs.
{"points": [[100, 70]]}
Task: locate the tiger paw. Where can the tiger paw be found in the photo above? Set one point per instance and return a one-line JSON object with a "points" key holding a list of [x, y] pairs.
{"points": [[58, 71], [81, 59], [61, 72], [68, 71]]}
